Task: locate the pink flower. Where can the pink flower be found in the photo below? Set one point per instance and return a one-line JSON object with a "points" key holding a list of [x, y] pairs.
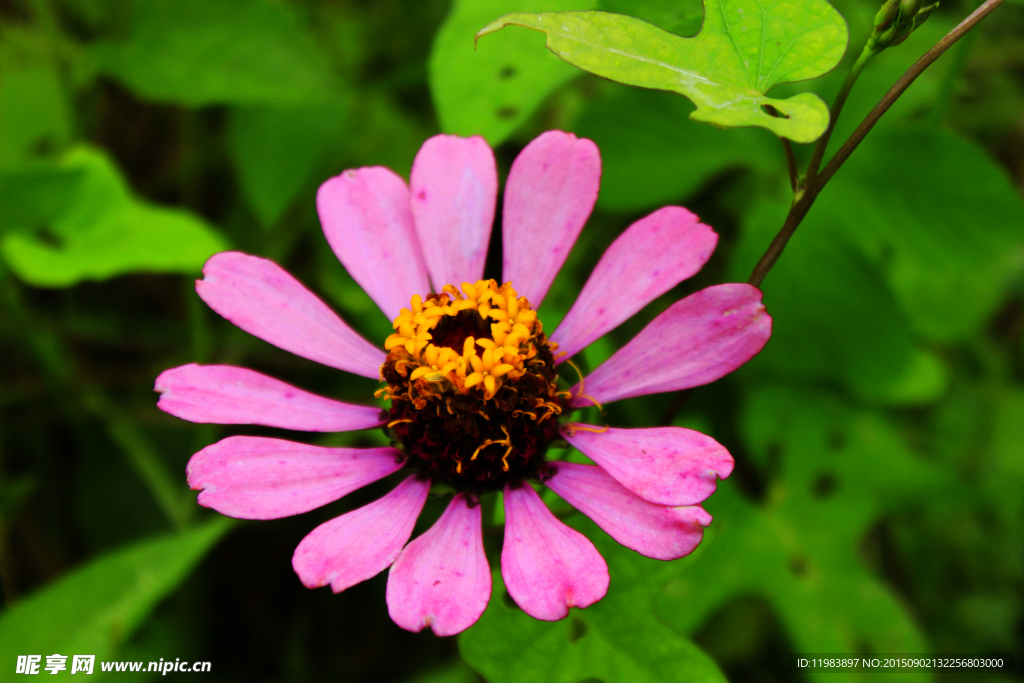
{"points": [[470, 376]]}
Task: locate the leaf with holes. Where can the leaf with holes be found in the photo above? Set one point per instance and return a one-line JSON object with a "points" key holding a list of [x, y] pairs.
{"points": [[837, 471], [617, 639], [493, 90], [743, 49]]}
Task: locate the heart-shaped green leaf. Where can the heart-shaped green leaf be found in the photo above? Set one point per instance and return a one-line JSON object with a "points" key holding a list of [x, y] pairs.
{"points": [[743, 49]]}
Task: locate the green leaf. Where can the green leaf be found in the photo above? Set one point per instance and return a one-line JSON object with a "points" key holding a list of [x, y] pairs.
{"points": [[103, 231], [835, 317], [682, 17], [617, 640], [743, 49], [941, 220], [203, 52], [651, 155], [276, 149], [95, 608], [1008, 435], [33, 195], [456, 672], [493, 90], [35, 115], [925, 381], [839, 470], [918, 236]]}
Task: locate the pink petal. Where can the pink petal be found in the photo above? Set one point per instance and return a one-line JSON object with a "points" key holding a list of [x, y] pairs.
{"points": [[223, 394], [264, 300], [550, 192], [442, 579], [366, 219], [362, 543], [250, 477], [697, 340], [662, 465], [658, 531], [454, 187], [654, 255], [547, 566]]}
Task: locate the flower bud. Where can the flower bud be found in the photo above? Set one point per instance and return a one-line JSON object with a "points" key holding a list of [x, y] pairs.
{"points": [[896, 20]]}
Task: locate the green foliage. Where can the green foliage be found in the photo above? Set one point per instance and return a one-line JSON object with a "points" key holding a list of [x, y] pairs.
{"points": [[877, 504], [835, 471], [821, 331], [652, 154], [34, 111], [492, 89], [924, 264], [617, 639], [32, 196], [948, 255], [682, 17], [101, 231], [1008, 435], [95, 608], [454, 673], [276, 149], [743, 50], [200, 52]]}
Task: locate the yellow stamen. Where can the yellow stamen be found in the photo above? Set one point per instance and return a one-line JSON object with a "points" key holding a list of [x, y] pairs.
{"points": [[574, 367], [507, 441], [576, 427], [492, 364]]}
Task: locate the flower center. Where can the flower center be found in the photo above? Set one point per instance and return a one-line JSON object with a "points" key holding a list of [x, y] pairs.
{"points": [[472, 384]]}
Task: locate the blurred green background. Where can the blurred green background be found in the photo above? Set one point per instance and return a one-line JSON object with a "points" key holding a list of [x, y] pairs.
{"points": [[877, 504]]}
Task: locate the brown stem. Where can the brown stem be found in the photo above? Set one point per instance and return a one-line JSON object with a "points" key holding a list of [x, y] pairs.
{"points": [[805, 197], [677, 403], [902, 84], [837, 107]]}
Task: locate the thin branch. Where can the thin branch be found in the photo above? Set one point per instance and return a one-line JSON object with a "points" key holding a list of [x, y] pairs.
{"points": [[902, 84], [677, 403], [837, 107], [774, 251], [794, 172], [805, 197]]}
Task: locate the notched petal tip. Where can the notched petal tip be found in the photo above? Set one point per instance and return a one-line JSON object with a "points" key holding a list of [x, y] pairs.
{"points": [[656, 531], [224, 394], [441, 579], [547, 566], [662, 465], [362, 543]]}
